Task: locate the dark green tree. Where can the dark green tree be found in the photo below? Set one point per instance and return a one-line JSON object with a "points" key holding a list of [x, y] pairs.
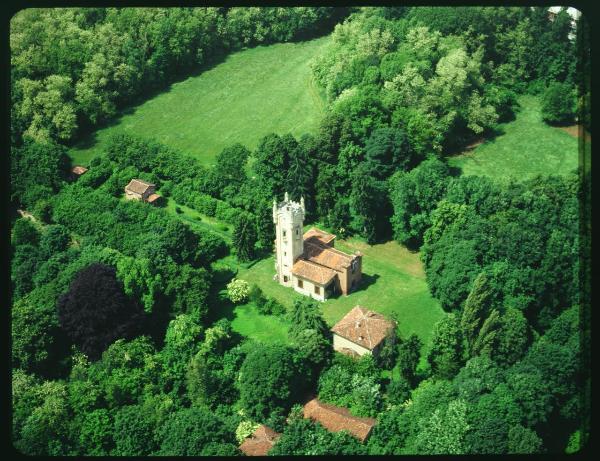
{"points": [[446, 354], [409, 354], [270, 381], [558, 103], [244, 237]]}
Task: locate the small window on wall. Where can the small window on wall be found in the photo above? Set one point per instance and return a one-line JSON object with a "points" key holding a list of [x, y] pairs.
{"points": [[284, 233], [285, 278], [300, 284], [297, 231], [317, 290]]}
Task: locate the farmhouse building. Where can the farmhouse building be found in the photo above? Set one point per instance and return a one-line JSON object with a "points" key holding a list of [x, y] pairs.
{"points": [[260, 442], [141, 190], [361, 331], [336, 419], [77, 171], [309, 262]]}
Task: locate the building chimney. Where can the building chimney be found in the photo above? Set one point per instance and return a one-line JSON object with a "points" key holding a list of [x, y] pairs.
{"points": [[286, 198]]}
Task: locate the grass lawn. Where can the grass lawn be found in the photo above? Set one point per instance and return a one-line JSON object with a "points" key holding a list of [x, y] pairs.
{"points": [[198, 220], [252, 93], [527, 147]]}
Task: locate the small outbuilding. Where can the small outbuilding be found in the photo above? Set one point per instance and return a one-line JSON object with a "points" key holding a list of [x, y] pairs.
{"points": [[336, 419], [361, 331], [141, 190], [260, 442], [77, 171]]}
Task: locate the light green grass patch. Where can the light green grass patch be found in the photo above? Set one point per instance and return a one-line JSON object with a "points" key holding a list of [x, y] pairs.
{"points": [[527, 147], [198, 220], [252, 93], [250, 323]]}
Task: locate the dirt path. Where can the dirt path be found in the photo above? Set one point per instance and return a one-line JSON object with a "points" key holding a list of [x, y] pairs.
{"points": [[573, 130], [27, 214]]}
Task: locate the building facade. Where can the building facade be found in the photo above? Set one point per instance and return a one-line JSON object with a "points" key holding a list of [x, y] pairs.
{"points": [[361, 332], [309, 262], [141, 190]]}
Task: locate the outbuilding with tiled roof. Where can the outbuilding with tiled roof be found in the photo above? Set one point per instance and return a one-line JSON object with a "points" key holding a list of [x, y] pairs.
{"points": [[140, 190], [361, 331], [336, 419]]}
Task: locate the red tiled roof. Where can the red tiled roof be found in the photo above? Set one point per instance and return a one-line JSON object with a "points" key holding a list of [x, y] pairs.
{"points": [[315, 235], [152, 198], [327, 256], [138, 186], [336, 419], [260, 442], [313, 272], [78, 170], [363, 327]]}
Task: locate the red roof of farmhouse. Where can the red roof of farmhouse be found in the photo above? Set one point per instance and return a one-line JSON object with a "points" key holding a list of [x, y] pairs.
{"points": [[313, 272], [78, 170], [327, 256], [153, 197], [138, 186], [336, 419], [363, 327], [315, 235], [260, 442]]}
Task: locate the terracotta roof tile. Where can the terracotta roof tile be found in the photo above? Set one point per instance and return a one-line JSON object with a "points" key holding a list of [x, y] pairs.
{"points": [[152, 198], [363, 327], [138, 186], [336, 419], [327, 256], [260, 442], [315, 235], [78, 170], [313, 272]]}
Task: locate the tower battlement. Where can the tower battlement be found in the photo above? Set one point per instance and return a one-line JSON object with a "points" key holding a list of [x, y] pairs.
{"points": [[288, 209]]}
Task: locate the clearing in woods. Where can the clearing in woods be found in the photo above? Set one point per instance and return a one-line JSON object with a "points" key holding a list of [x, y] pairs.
{"points": [[526, 147], [267, 89]]}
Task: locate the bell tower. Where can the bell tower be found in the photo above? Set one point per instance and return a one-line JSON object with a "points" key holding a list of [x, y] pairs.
{"points": [[288, 217]]}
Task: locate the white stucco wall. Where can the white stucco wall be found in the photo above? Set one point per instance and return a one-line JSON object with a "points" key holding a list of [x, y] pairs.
{"points": [[340, 343], [308, 289]]}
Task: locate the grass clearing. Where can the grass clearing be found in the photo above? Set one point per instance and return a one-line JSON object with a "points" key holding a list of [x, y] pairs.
{"points": [[527, 147], [252, 93]]}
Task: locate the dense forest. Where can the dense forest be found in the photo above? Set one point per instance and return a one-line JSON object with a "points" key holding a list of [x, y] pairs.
{"points": [[115, 347]]}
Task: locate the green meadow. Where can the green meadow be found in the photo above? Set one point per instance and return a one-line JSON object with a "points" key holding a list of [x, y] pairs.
{"points": [[250, 94], [526, 147]]}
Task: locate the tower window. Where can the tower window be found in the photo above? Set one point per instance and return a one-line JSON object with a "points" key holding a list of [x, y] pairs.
{"points": [[284, 233], [284, 253], [285, 278], [300, 284], [317, 290], [297, 231]]}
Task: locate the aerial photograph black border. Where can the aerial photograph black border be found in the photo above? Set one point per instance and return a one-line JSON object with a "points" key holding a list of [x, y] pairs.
{"points": [[317, 270]]}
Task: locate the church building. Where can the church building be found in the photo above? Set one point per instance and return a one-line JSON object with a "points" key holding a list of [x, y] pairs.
{"points": [[309, 262]]}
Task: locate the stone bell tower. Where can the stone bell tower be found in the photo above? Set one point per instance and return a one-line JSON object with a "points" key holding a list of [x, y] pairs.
{"points": [[288, 217]]}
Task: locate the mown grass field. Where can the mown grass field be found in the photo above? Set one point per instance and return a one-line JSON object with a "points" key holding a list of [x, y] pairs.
{"points": [[527, 147], [252, 93]]}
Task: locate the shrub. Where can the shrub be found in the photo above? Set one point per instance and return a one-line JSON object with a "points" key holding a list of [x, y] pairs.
{"points": [[178, 210], [558, 104], [238, 291]]}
